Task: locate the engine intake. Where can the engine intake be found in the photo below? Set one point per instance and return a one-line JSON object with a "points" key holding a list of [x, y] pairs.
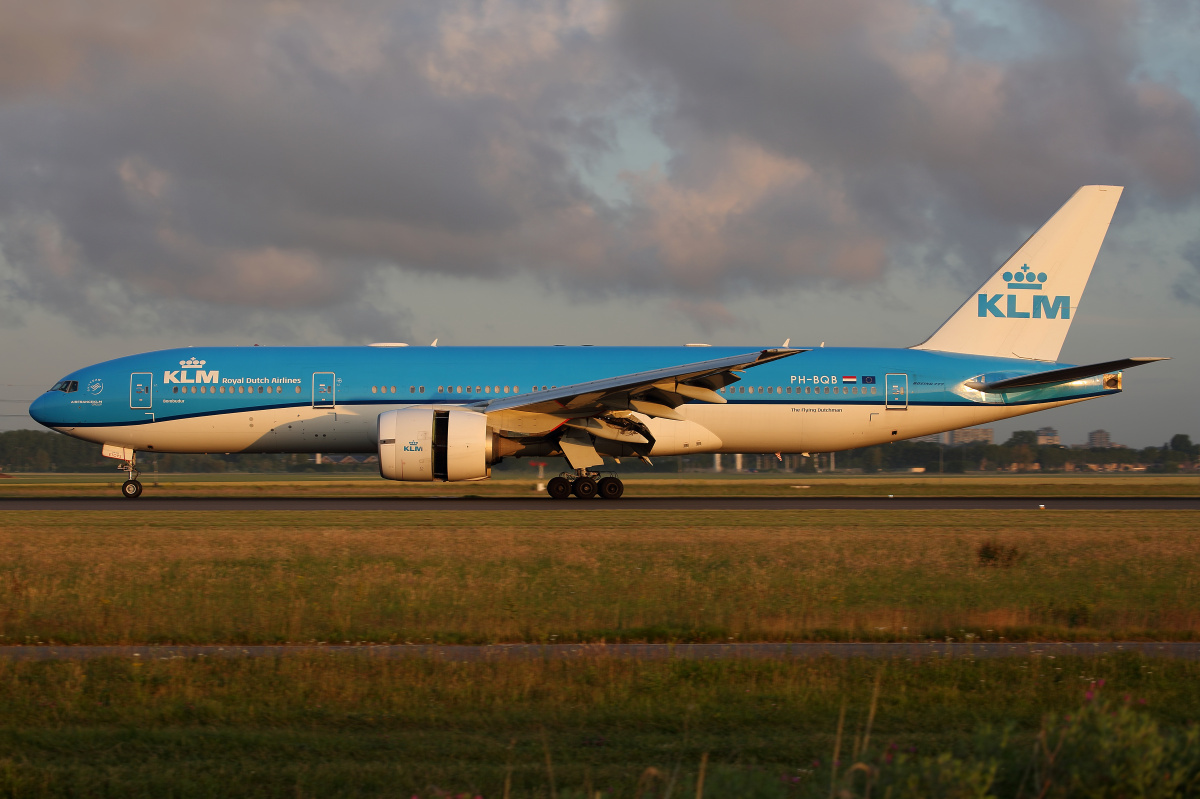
{"points": [[426, 444]]}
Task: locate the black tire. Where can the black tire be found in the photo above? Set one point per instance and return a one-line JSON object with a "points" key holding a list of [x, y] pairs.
{"points": [[558, 488], [610, 488], [584, 488], [131, 489]]}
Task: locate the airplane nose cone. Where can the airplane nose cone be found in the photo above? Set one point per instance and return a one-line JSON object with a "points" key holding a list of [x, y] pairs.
{"points": [[41, 408]]}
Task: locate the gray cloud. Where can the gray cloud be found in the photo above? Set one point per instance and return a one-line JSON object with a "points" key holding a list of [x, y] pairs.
{"points": [[209, 160]]}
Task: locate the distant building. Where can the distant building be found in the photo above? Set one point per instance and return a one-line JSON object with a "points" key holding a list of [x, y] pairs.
{"points": [[1047, 437], [1099, 439], [935, 438], [974, 435]]}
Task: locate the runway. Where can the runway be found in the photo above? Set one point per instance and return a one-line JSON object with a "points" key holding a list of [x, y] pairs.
{"points": [[149, 503], [466, 653]]}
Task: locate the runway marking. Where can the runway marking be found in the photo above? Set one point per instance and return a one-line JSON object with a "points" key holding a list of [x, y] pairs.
{"points": [[1188, 650], [159, 504]]}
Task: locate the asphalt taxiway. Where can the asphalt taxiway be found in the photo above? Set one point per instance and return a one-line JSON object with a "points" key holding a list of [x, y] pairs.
{"points": [[1189, 650], [148, 502]]}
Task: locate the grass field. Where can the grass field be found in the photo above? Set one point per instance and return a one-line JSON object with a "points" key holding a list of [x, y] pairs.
{"points": [[797, 485], [358, 726], [615, 575]]}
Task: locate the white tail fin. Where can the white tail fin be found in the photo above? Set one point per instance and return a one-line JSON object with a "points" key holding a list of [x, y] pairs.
{"points": [[1026, 308]]}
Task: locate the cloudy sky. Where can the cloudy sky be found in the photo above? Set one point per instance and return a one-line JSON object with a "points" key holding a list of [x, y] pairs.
{"points": [[232, 172]]}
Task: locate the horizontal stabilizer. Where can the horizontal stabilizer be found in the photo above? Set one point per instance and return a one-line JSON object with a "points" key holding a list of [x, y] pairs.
{"points": [[1060, 375]]}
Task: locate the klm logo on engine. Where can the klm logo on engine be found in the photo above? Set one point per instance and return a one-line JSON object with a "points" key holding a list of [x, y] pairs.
{"points": [[1040, 306], [199, 375], [413, 446]]}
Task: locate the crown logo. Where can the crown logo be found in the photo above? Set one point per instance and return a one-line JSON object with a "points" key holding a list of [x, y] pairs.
{"points": [[1025, 279], [191, 363]]}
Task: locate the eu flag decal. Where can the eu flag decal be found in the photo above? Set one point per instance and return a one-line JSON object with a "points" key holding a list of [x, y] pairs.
{"points": [[868, 379]]}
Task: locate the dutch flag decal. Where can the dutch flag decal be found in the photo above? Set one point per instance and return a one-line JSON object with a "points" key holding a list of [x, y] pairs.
{"points": [[849, 379]]}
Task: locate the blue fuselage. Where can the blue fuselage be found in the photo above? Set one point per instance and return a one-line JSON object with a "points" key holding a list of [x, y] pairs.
{"points": [[228, 398]]}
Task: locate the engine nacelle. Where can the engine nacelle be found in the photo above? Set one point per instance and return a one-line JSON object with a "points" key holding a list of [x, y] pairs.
{"points": [[425, 444]]}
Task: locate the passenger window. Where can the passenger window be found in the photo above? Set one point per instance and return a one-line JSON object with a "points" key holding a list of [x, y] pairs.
{"points": [[837, 390], [779, 389], [439, 389], [770, 390], [374, 389], [872, 389], [477, 390], [421, 390], [393, 389], [789, 389], [297, 389], [174, 389], [506, 389]]}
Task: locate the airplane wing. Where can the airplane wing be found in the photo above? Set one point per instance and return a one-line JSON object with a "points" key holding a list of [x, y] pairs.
{"points": [[575, 417], [655, 393], [1060, 375]]}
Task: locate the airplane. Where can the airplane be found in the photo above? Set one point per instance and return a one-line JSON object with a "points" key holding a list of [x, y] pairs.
{"points": [[450, 413]]}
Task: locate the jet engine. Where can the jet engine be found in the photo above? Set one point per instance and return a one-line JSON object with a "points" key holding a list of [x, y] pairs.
{"points": [[427, 444]]}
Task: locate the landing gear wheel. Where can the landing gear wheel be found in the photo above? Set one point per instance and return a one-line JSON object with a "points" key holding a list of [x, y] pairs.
{"points": [[610, 488], [558, 488], [131, 489], [584, 488]]}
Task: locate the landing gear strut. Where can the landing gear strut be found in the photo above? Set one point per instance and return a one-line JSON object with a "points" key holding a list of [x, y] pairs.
{"points": [[585, 485], [131, 488]]}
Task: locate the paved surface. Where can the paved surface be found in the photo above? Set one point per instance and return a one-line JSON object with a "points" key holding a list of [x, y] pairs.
{"points": [[149, 502], [1188, 650]]}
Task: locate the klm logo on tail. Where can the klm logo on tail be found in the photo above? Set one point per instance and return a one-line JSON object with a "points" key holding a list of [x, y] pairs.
{"points": [[1023, 281]]}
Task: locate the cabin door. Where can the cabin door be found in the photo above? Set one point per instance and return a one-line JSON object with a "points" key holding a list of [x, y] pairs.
{"points": [[324, 390], [141, 390], [896, 389]]}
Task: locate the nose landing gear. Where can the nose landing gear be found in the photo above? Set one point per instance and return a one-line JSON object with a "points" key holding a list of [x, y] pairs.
{"points": [[131, 488], [585, 485]]}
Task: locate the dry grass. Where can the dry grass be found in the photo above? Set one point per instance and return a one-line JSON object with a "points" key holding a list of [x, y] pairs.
{"points": [[199, 577]]}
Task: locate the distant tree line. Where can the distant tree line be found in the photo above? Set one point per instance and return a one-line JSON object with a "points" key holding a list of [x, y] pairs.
{"points": [[44, 451]]}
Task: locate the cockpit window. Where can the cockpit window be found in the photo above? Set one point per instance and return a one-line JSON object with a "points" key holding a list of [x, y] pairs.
{"points": [[66, 386]]}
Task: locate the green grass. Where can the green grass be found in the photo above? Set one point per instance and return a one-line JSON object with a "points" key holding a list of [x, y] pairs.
{"points": [[610, 575], [354, 725]]}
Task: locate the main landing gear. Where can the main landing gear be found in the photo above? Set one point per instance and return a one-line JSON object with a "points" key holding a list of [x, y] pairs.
{"points": [[585, 485]]}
